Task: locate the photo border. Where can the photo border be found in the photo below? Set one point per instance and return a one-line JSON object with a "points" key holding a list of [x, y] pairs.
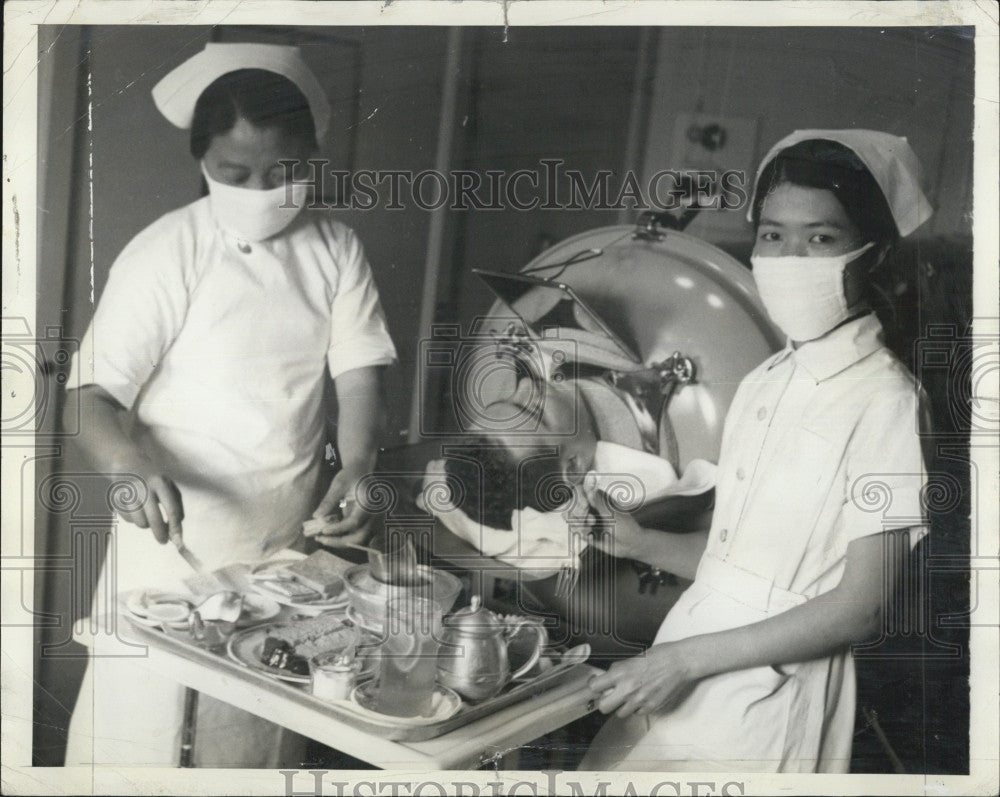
{"points": [[20, 199]]}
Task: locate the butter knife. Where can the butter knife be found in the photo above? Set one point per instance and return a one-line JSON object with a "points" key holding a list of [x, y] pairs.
{"points": [[189, 557], [195, 562]]}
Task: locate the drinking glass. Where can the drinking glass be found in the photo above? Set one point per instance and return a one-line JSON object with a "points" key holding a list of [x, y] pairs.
{"points": [[408, 657]]}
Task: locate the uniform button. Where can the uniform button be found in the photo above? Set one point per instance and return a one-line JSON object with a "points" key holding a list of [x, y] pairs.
{"points": [[723, 534], [761, 413], [244, 247], [741, 474]]}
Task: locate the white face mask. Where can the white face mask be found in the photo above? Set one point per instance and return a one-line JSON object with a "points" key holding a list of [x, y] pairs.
{"points": [[254, 215], [804, 295]]}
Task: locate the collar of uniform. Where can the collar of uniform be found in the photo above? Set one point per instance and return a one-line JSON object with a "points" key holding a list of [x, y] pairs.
{"points": [[781, 356], [840, 349]]}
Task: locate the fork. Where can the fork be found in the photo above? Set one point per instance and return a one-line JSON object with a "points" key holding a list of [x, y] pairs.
{"points": [[569, 574]]}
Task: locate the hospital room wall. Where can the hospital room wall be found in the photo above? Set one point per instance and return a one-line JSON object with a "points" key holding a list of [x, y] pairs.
{"points": [[399, 118], [911, 82]]}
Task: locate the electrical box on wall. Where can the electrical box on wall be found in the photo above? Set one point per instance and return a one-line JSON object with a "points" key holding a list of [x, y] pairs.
{"points": [[718, 154], [718, 143]]}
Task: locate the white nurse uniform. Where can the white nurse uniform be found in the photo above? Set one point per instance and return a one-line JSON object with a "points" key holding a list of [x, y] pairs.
{"points": [[821, 446], [218, 348]]}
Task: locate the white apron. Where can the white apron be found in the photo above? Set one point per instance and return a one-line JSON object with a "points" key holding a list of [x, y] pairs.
{"points": [[761, 714]]}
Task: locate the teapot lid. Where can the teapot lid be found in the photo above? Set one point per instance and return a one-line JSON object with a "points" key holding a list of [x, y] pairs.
{"points": [[475, 620]]}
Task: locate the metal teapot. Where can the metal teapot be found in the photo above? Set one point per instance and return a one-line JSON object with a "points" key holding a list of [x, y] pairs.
{"points": [[473, 655]]}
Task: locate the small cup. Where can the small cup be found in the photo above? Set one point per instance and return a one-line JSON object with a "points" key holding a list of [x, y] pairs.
{"points": [[332, 676]]}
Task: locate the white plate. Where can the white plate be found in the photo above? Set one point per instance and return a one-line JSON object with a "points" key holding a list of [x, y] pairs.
{"points": [[446, 704], [135, 605], [309, 608], [247, 647], [257, 608]]}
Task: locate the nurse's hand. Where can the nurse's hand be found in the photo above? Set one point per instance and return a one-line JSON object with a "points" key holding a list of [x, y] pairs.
{"points": [[656, 680], [158, 505], [344, 519], [616, 533]]}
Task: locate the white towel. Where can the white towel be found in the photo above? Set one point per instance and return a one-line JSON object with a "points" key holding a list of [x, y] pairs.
{"points": [[622, 469]]}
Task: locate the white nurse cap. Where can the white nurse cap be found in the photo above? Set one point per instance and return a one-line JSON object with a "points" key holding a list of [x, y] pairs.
{"points": [[891, 161], [176, 94]]}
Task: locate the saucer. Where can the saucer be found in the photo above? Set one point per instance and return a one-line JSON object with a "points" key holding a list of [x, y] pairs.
{"points": [[445, 704]]}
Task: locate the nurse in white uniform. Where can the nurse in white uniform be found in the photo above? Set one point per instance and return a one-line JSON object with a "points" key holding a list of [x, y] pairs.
{"points": [[818, 494], [201, 378]]}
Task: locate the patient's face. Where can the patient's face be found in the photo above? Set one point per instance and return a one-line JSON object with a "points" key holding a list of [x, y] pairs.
{"points": [[551, 415]]}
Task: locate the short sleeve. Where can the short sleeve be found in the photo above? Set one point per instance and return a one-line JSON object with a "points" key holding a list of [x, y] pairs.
{"points": [[886, 473], [359, 333], [140, 313]]}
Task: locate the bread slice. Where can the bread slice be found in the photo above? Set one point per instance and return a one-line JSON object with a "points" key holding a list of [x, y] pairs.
{"points": [[316, 635], [288, 588], [321, 571]]}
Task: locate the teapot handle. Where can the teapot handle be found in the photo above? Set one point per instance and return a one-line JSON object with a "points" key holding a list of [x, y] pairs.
{"points": [[536, 655]]}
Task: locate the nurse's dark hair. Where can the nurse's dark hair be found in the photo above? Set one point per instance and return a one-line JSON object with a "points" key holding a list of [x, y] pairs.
{"points": [[829, 165], [265, 99], [493, 481]]}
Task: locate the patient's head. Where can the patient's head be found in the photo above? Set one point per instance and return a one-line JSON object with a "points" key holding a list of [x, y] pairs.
{"points": [[549, 443], [496, 480]]}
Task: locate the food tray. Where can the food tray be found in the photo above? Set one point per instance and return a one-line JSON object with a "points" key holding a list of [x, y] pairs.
{"points": [[344, 710]]}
